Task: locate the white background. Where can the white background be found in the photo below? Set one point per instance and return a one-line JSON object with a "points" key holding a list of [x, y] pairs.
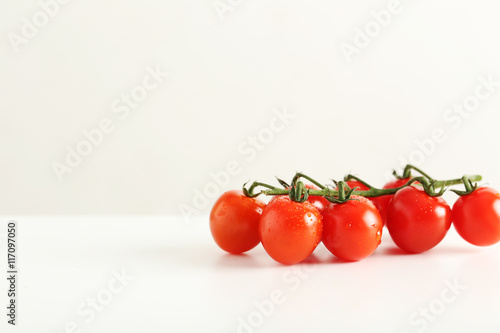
{"points": [[226, 77], [229, 73]]}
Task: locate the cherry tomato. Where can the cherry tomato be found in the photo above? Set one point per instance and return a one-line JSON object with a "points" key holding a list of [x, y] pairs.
{"points": [[352, 230], [289, 230], [382, 202], [476, 216], [416, 221], [317, 201], [234, 221], [355, 183]]}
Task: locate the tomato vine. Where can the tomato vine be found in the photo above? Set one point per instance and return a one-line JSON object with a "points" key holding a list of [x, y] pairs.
{"points": [[341, 192]]}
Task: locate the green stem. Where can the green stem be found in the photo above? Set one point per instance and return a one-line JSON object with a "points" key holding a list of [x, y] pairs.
{"points": [[352, 177], [373, 192], [301, 175], [469, 187], [409, 167], [298, 192]]}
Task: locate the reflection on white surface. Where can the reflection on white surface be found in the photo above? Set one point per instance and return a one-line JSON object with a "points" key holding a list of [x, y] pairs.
{"points": [[184, 283]]}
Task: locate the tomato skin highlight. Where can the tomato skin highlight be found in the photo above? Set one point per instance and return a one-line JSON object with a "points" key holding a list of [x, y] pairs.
{"points": [[352, 230], [317, 201], [290, 231], [234, 221], [416, 221], [476, 216], [382, 202]]}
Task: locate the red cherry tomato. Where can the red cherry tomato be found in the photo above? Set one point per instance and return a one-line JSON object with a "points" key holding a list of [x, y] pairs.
{"points": [[290, 231], [234, 222], [476, 216], [382, 202], [416, 221], [352, 230], [355, 183], [317, 201]]}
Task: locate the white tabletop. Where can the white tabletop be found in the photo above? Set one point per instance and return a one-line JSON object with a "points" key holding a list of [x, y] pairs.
{"points": [[158, 274]]}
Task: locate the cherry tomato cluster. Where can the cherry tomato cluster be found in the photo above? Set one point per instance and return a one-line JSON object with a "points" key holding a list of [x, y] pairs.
{"points": [[349, 218]]}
